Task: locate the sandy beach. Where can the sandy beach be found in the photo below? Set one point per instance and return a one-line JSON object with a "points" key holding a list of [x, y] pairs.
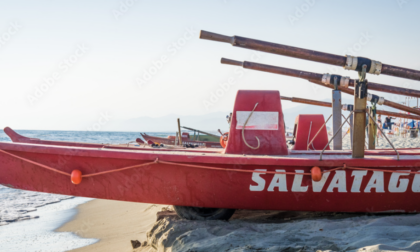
{"points": [[114, 223], [117, 223]]}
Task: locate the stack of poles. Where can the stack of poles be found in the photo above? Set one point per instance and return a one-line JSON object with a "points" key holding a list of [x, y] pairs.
{"points": [[319, 79], [330, 105], [341, 83]]}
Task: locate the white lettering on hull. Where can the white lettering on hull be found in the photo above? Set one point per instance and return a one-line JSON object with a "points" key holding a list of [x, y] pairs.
{"points": [[297, 183], [376, 183], [416, 183], [397, 184], [357, 182], [256, 177], [339, 182], [317, 186], [279, 180]]}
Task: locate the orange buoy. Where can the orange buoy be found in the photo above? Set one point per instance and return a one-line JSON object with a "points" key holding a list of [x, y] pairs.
{"points": [[76, 177], [316, 174], [224, 139]]}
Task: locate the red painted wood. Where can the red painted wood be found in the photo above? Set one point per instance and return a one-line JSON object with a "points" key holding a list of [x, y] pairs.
{"points": [[302, 129], [272, 142], [177, 185]]}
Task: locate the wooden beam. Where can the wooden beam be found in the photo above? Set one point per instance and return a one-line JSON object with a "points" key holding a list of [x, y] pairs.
{"points": [[359, 126], [371, 130]]}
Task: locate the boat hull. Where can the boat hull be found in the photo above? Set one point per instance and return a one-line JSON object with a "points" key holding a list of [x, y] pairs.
{"points": [[239, 185]]}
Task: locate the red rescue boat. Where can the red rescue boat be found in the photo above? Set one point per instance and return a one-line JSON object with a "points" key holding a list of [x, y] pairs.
{"points": [[256, 170]]}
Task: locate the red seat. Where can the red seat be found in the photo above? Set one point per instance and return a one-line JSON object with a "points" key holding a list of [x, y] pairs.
{"points": [[266, 123], [310, 124]]}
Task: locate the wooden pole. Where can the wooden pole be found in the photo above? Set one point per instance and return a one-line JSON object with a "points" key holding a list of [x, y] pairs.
{"points": [[360, 98], [359, 127], [371, 130], [375, 126], [317, 79], [306, 101], [311, 76], [200, 131], [311, 55], [179, 132], [329, 105]]}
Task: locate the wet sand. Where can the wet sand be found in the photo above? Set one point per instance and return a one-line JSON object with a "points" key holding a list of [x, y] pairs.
{"points": [[114, 223]]}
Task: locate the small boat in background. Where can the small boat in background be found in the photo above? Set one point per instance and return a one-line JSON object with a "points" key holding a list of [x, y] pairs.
{"points": [[204, 140], [134, 145]]}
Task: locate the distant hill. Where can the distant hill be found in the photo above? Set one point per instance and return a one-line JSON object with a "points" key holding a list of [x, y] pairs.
{"points": [[213, 121], [207, 122]]}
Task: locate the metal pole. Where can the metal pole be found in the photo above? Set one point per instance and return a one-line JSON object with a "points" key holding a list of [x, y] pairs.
{"points": [[179, 132], [336, 112], [351, 130]]}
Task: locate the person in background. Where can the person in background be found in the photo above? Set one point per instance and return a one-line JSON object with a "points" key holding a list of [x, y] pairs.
{"points": [[388, 122]]}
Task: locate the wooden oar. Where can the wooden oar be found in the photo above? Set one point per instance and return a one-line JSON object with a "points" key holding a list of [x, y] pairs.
{"points": [[348, 62], [329, 105], [314, 78]]}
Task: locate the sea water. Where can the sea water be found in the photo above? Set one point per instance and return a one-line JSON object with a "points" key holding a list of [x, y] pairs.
{"points": [[28, 219]]}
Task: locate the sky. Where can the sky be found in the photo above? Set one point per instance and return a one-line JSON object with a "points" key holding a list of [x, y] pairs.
{"points": [[68, 65]]}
